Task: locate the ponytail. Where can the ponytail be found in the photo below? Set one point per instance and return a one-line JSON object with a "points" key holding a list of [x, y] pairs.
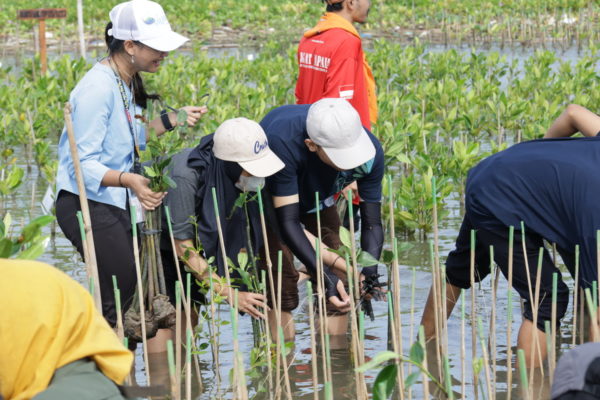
{"points": [[139, 92]]}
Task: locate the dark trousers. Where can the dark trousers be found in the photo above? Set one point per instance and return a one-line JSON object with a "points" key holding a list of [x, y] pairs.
{"points": [[458, 266], [113, 242]]}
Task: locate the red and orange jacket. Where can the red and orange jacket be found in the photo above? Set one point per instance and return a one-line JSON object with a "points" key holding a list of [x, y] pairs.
{"points": [[333, 64]]}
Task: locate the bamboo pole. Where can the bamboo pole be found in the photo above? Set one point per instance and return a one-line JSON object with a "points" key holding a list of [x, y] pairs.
{"points": [[313, 341], [140, 288], [177, 393], [536, 343], [185, 297], [172, 374], [269, 341], [80, 28], [240, 390], [552, 353], [509, 311], [281, 340], [495, 277], [523, 371], [473, 312], [463, 350], [90, 254], [120, 331], [425, 368], [274, 298]]}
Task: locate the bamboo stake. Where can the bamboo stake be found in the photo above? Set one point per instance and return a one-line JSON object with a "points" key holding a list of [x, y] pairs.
{"points": [[592, 310], [240, 389], [463, 350], [575, 296], [274, 299], [322, 300], [495, 277], [171, 361], [436, 255], [425, 368], [281, 341], [394, 311], [523, 371], [268, 340], [140, 289], [177, 393], [358, 343], [552, 353], [222, 243], [473, 312], [188, 364], [185, 297], [509, 310], [120, 331], [89, 249], [412, 317], [536, 343], [213, 328], [486, 359], [313, 341], [549, 349]]}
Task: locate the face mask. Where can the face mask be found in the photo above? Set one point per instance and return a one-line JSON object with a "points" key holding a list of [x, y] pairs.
{"points": [[250, 183]]}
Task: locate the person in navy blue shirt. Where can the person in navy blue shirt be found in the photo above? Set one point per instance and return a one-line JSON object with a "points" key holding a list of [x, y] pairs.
{"points": [[552, 187], [324, 148]]}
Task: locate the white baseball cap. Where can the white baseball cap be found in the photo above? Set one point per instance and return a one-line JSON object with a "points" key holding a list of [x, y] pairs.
{"points": [[244, 141], [146, 22], [334, 124]]}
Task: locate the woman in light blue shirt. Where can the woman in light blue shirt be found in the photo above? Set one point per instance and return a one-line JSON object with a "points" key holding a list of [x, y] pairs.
{"points": [[107, 105]]}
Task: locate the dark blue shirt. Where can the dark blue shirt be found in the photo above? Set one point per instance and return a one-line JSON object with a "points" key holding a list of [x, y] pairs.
{"points": [[304, 173], [552, 185]]}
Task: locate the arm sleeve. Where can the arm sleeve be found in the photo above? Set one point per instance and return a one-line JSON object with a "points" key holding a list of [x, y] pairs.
{"points": [[371, 233], [90, 125], [293, 235], [182, 205]]}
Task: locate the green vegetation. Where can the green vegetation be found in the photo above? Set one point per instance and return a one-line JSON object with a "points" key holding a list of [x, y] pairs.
{"points": [[440, 113], [506, 21]]}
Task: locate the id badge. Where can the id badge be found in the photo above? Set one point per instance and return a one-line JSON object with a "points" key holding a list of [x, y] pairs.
{"points": [[139, 210]]}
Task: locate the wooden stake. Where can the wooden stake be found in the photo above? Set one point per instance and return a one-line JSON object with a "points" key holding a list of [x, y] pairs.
{"points": [[575, 296], [313, 341], [473, 313], [509, 310], [90, 254]]}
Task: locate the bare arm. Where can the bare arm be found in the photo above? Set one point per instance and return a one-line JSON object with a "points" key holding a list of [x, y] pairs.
{"points": [[574, 119]]}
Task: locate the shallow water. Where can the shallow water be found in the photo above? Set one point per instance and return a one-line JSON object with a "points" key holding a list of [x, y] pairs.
{"points": [[25, 205]]}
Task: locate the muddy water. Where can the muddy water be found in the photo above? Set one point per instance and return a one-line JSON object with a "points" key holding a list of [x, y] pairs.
{"points": [[414, 264]]}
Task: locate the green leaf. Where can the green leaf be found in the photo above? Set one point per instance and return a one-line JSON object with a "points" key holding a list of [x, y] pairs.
{"points": [[149, 172], [35, 250], [182, 117], [416, 353], [345, 237], [387, 256], [170, 182], [366, 259], [411, 379], [6, 246], [378, 359], [384, 383]]}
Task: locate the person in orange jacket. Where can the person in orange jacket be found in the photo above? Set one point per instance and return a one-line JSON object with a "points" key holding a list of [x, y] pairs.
{"points": [[332, 62]]}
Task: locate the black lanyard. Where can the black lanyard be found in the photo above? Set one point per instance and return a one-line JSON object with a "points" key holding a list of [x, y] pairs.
{"points": [[136, 153]]}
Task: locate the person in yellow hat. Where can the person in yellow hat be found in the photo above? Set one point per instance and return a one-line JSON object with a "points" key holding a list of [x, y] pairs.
{"points": [[55, 344]]}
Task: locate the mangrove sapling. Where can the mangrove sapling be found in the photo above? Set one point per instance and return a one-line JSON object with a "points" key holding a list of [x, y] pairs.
{"points": [[29, 244]]}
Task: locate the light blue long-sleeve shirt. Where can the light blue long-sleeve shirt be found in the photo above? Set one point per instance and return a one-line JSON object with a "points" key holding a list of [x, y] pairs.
{"points": [[103, 137]]}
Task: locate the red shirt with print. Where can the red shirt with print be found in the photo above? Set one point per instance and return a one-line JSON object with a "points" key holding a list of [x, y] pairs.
{"points": [[331, 65]]}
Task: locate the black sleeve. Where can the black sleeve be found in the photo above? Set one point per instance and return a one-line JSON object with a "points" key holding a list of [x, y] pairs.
{"points": [[293, 235], [371, 233]]}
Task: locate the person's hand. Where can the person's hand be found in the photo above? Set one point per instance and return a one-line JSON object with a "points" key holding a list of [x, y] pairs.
{"points": [[139, 184], [193, 115], [342, 301], [248, 303], [378, 293], [353, 186]]}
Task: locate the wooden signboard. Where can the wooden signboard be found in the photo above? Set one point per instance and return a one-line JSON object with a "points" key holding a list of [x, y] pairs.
{"points": [[41, 14]]}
